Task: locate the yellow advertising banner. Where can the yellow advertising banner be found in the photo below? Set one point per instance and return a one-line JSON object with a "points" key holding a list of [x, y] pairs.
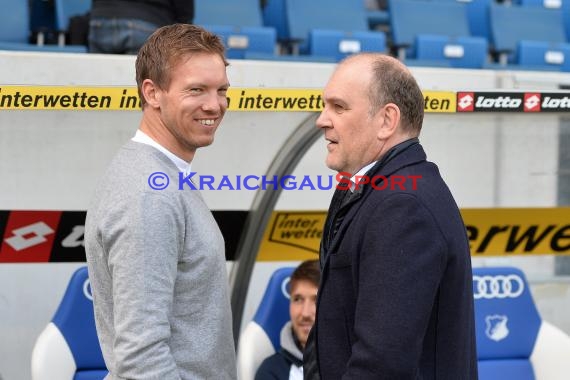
{"points": [[68, 98], [274, 99], [292, 235], [296, 235], [82, 98], [518, 231], [439, 101]]}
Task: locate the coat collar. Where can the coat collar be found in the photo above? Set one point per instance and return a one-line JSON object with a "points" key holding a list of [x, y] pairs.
{"points": [[406, 153]]}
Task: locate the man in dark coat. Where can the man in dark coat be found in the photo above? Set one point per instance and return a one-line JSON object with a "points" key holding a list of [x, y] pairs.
{"points": [[396, 299]]}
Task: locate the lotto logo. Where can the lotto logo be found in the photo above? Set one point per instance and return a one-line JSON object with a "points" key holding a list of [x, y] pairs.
{"points": [[531, 102], [465, 101], [29, 236], [553, 102], [489, 102]]}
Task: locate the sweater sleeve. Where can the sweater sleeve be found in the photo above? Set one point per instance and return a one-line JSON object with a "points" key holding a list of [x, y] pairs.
{"points": [[143, 242], [400, 264]]}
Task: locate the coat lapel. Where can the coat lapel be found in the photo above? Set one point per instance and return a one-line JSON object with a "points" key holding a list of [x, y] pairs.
{"points": [[410, 155]]}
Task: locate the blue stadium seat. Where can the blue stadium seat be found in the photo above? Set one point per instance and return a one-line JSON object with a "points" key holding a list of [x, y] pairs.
{"points": [[64, 10], [240, 24], [15, 30], [435, 31], [513, 342], [540, 55], [465, 52], [68, 348], [338, 44], [246, 42], [528, 27], [260, 337], [563, 5], [332, 27]]}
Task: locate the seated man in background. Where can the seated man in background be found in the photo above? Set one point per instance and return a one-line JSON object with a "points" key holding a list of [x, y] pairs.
{"points": [[287, 364]]}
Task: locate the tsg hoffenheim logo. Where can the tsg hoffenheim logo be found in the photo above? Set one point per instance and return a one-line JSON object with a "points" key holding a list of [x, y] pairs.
{"points": [[496, 327]]}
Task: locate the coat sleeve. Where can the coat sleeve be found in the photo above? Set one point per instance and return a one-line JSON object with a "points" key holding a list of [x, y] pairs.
{"points": [[144, 245], [398, 268]]}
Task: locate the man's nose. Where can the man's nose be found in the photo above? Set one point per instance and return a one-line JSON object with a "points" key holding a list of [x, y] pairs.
{"points": [[212, 103]]}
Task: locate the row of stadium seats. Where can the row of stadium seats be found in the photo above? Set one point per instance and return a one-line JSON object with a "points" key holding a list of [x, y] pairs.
{"points": [[513, 341], [529, 34], [453, 33], [482, 34]]}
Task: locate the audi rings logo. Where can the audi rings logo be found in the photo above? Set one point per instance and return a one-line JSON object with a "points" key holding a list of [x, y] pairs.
{"points": [[489, 287]]}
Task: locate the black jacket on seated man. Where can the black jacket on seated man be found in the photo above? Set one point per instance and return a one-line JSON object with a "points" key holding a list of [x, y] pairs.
{"points": [[285, 364]]}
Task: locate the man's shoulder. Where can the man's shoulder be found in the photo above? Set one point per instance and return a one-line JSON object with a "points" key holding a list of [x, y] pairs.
{"points": [[135, 161], [137, 171]]}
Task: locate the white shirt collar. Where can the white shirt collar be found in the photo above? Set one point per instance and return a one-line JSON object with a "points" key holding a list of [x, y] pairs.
{"points": [[143, 138], [361, 172]]}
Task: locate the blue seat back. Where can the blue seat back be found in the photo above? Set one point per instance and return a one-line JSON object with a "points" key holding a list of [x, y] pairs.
{"points": [[466, 52], [479, 19], [542, 55], [273, 310], [274, 15], [338, 45], [507, 323], [15, 21], [410, 18], [477, 16], [228, 12], [75, 319], [511, 24], [241, 41], [343, 15], [65, 9]]}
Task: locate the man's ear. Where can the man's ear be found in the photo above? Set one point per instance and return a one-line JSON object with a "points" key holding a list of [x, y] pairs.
{"points": [[389, 122], [151, 93]]}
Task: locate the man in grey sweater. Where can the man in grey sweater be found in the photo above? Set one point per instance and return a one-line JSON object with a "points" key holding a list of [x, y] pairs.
{"points": [[155, 254]]}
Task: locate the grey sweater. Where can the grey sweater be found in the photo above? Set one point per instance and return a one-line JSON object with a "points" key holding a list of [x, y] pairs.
{"points": [[158, 275]]}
